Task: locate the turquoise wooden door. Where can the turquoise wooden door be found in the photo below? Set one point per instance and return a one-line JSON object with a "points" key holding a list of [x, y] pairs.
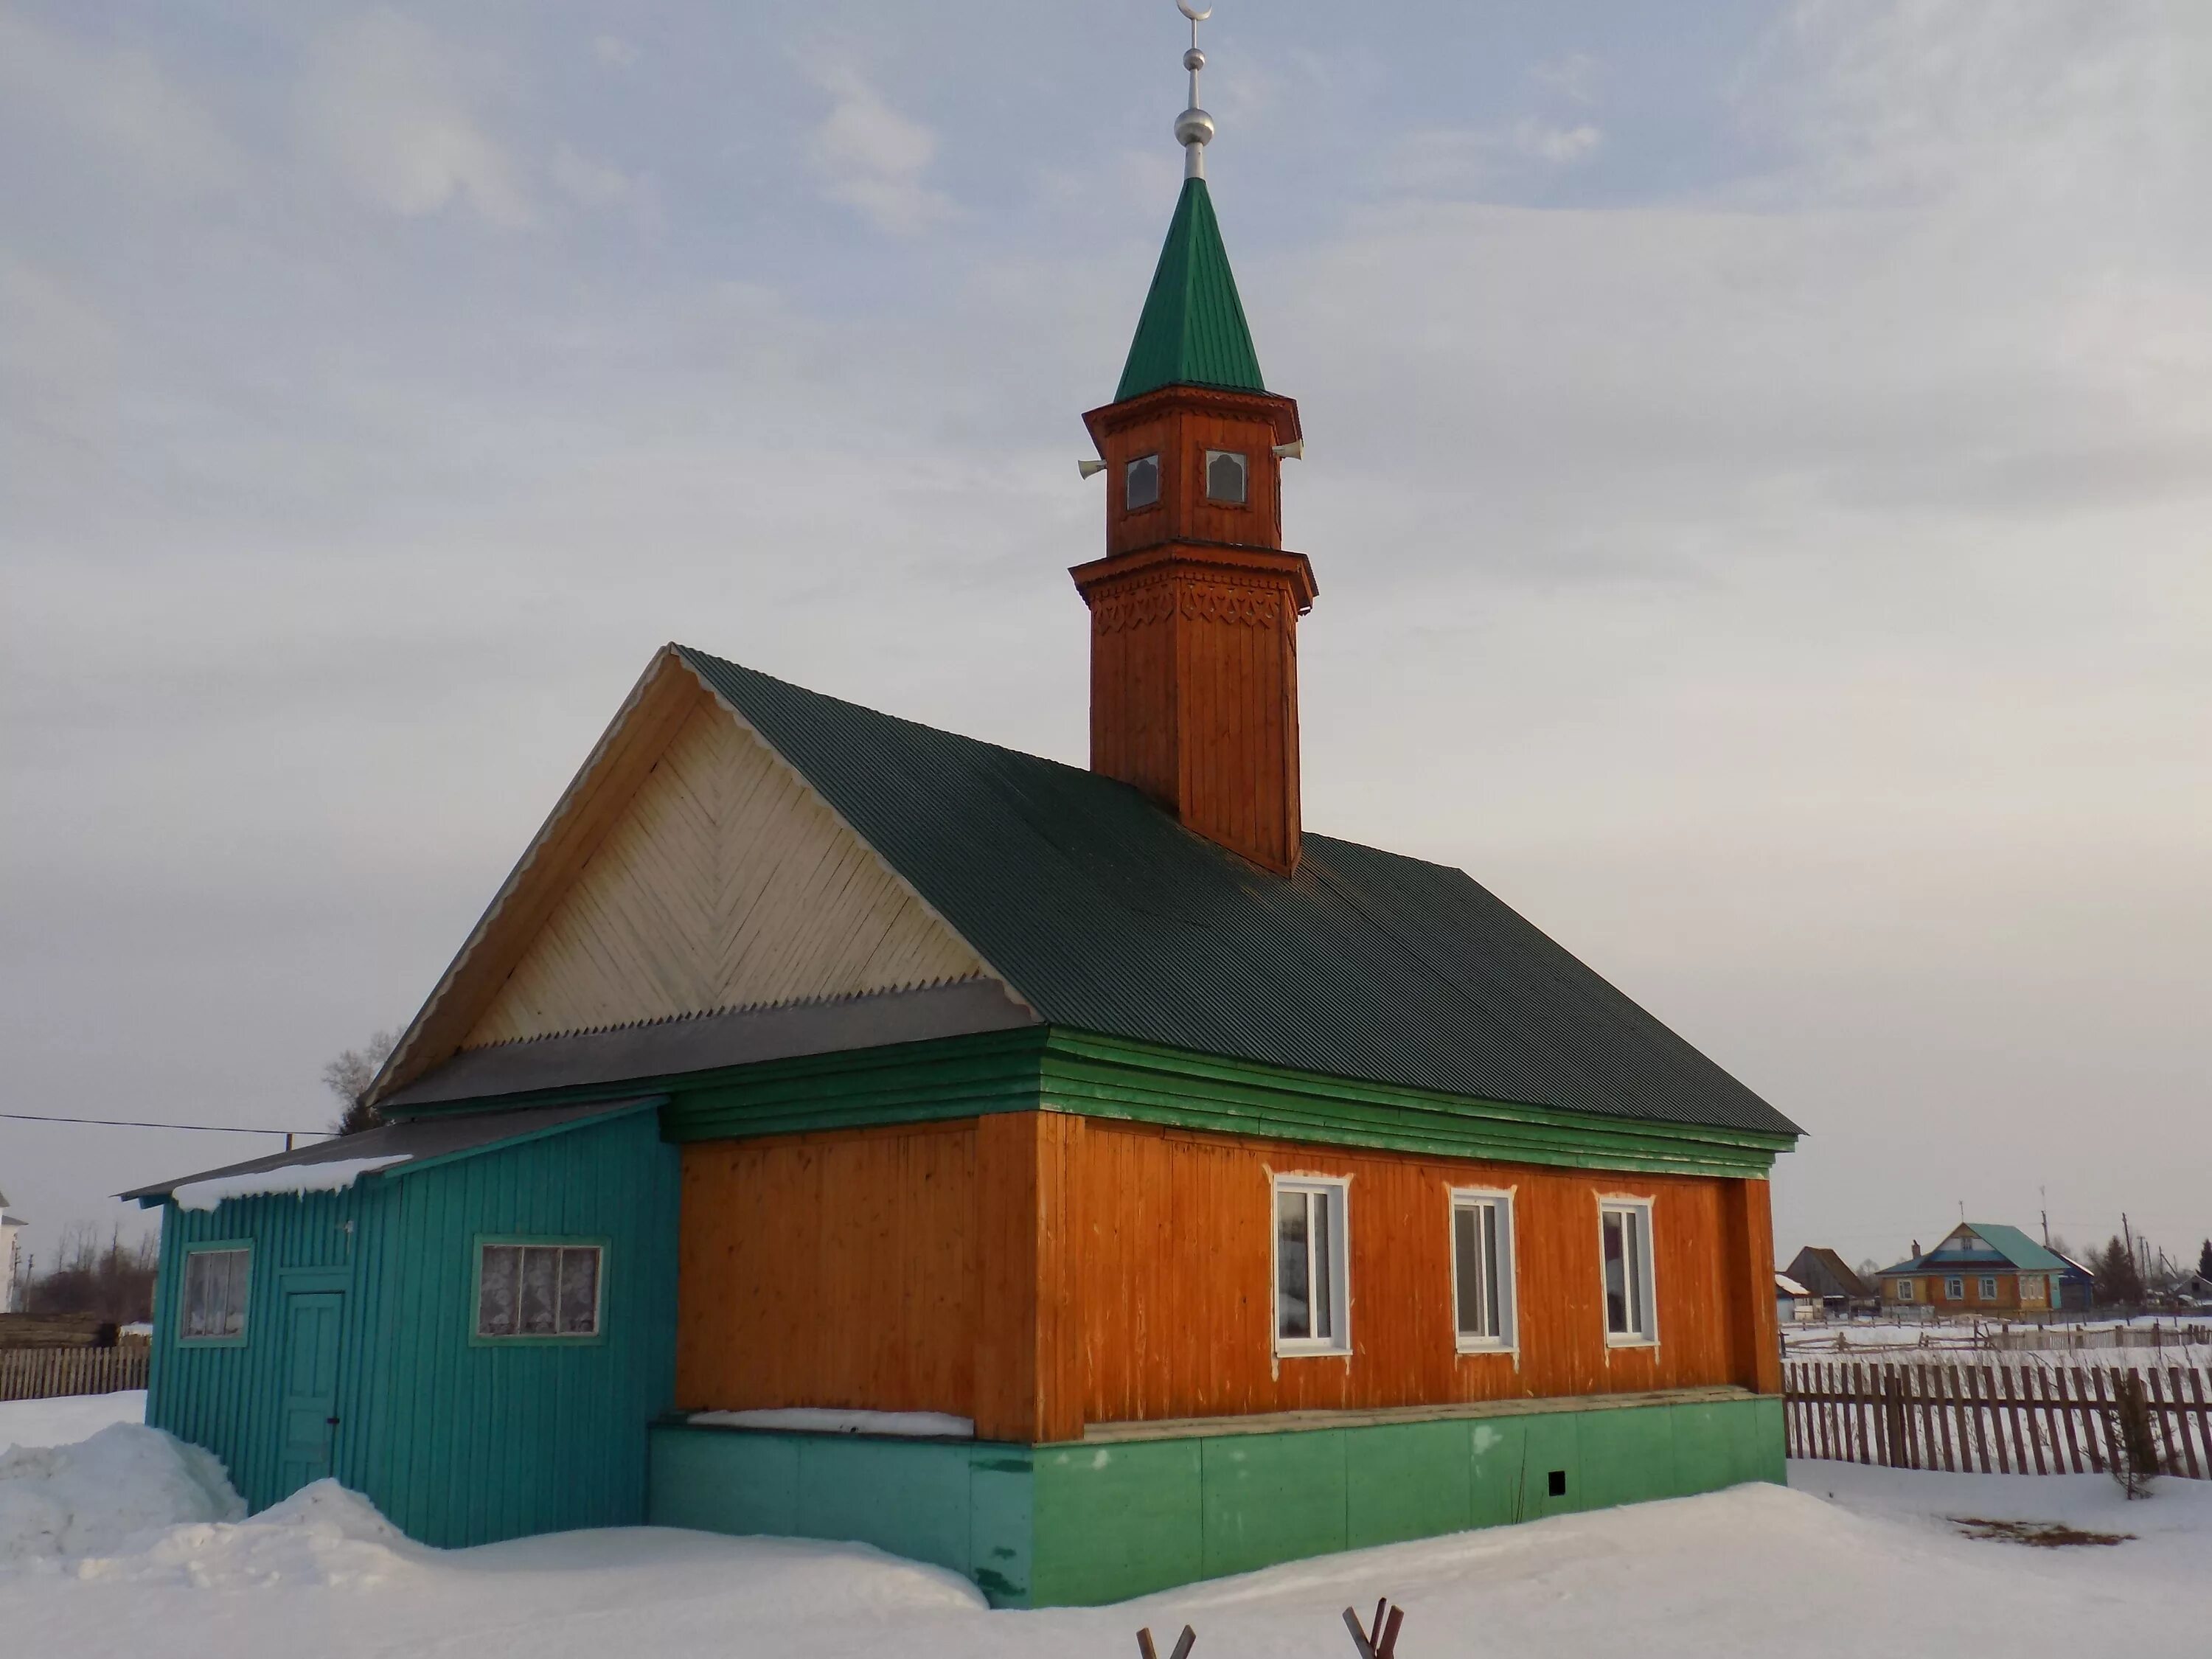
{"points": [[310, 1419]]}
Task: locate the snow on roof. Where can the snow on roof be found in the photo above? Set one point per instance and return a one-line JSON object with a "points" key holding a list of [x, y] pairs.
{"points": [[432, 1138], [327, 1175], [1789, 1286]]}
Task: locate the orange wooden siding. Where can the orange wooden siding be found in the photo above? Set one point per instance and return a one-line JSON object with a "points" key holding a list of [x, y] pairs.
{"points": [[1038, 1272], [1174, 1261], [834, 1269]]}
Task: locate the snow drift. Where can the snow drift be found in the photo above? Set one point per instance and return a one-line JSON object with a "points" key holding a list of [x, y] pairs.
{"points": [[98, 1495]]}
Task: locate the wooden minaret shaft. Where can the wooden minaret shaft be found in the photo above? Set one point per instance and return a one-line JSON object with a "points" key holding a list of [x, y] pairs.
{"points": [[1194, 620]]}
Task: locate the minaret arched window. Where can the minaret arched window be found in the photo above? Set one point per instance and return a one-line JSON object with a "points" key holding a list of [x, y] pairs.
{"points": [[1141, 483], [1224, 476]]}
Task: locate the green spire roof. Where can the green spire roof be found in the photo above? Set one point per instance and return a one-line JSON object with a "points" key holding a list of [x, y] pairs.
{"points": [[1193, 331]]}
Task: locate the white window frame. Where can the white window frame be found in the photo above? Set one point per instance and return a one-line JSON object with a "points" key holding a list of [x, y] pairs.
{"points": [[1500, 1201], [1646, 1276], [1905, 1289], [243, 1279], [1334, 1191], [1987, 1290], [1954, 1287]]}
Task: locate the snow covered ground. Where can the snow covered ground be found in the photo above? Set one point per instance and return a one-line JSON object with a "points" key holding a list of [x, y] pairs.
{"points": [[60, 1422], [1935, 1341], [1849, 1561]]}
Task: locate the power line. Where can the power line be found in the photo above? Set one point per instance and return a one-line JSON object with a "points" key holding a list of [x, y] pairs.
{"points": [[131, 1123]]}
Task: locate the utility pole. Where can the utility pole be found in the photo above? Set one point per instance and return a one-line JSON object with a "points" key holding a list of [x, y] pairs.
{"points": [[2044, 1192]]}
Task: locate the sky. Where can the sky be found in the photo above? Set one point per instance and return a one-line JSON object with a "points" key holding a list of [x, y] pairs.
{"points": [[1758, 472]]}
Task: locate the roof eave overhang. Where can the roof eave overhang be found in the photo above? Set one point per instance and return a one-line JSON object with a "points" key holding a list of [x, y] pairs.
{"points": [[1279, 412]]}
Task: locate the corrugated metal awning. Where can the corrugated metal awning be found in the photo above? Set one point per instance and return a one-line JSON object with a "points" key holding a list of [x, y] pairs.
{"points": [[418, 1141]]}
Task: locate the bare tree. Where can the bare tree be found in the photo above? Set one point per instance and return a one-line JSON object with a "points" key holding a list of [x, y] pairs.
{"points": [[114, 1281], [349, 1078]]}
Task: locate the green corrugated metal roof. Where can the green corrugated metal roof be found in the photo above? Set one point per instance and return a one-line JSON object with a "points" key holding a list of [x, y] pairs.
{"points": [[2011, 1244], [1105, 914], [1192, 331], [2017, 1248]]}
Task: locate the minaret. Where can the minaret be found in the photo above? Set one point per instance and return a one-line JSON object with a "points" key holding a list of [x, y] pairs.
{"points": [[1194, 608]]}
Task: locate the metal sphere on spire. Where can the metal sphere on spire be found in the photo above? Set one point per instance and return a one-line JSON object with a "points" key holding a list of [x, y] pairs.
{"points": [[1193, 128]]}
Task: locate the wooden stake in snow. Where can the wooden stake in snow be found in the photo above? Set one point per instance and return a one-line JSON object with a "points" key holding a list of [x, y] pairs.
{"points": [[1380, 1640], [1182, 1647]]}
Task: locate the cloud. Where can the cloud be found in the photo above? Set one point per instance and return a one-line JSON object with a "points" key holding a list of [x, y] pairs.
{"points": [[614, 51], [387, 103], [1459, 162], [1574, 76], [872, 158], [59, 357], [122, 102], [590, 182], [1561, 145]]}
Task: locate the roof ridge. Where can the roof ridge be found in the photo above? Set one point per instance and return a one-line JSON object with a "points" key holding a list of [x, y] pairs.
{"points": [[693, 651]]}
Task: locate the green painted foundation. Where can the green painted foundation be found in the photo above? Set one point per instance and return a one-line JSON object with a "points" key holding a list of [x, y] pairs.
{"points": [[1096, 1522]]}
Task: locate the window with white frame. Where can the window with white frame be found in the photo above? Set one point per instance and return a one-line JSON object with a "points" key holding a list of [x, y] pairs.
{"points": [[1954, 1289], [215, 1283], [1905, 1289], [1312, 1285], [1625, 1235], [1482, 1269], [1988, 1288], [526, 1289]]}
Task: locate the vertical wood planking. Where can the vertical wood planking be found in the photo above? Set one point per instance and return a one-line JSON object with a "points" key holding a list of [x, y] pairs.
{"points": [[836, 1269], [1174, 1264]]}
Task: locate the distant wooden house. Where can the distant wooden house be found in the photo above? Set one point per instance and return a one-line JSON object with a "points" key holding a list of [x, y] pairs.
{"points": [[1793, 1304], [1830, 1279], [1984, 1268], [1223, 1193]]}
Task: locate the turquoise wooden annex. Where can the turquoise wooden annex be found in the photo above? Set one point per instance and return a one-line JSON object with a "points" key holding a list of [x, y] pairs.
{"points": [[407, 1332]]}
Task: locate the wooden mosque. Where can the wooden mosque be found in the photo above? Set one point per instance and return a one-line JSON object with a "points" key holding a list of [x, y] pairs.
{"points": [[1089, 1180]]}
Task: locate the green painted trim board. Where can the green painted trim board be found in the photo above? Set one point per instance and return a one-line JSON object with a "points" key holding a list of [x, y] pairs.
{"points": [[1055, 1069]]}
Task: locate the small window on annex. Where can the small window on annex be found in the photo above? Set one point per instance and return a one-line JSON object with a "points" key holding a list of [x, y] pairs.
{"points": [[1140, 482], [1311, 1287], [1482, 1269], [1989, 1289], [1954, 1289], [1905, 1289], [1625, 1235], [529, 1290], [1224, 476], [216, 1284]]}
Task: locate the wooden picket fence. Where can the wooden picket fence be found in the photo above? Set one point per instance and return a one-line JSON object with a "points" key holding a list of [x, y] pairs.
{"points": [[1991, 1418], [44, 1373]]}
